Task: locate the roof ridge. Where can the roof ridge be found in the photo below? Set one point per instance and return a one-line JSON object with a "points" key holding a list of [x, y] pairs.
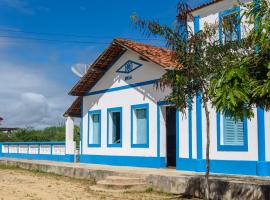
{"points": [[120, 40]]}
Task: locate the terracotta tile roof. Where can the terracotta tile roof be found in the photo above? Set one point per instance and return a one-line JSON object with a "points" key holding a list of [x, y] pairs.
{"points": [[158, 55], [75, 109]]}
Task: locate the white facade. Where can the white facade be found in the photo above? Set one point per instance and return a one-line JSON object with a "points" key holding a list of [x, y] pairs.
{"points": [[126, 90]]}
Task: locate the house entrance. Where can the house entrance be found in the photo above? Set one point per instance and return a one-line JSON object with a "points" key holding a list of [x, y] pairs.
{"points": [[171, 136]]}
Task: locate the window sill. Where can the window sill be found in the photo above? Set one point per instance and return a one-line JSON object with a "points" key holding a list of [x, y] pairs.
{"points": [[94, 145], [139, 145], [243, 148], [114, 145]]}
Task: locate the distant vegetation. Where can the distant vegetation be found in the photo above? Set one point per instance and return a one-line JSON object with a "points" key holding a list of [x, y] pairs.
{"points": [[54, 133]]}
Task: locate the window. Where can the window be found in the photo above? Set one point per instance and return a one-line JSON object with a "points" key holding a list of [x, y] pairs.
{"points": [[140, 125], [233, 132], [114, 125], [229, 25], [232, 135], [94, 128]]}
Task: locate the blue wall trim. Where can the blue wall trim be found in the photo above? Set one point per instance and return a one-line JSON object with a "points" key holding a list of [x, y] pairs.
{"points": [[132, 108], [91, 112], [133, 161], [122, 87], [221, 147], [190, 128], [109, 110], [261, 134], [226, 166], [159, 104], [81, 128], [177, 137], [196, 24], [60, 158], [199, 126]]}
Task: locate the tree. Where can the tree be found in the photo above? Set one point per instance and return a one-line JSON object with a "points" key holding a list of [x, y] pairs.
{"points": [[201, 60], [244, 82]]}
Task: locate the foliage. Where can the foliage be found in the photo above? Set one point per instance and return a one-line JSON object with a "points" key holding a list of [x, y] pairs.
{"points": [[232, 75], [244, 81], [54, 133]]}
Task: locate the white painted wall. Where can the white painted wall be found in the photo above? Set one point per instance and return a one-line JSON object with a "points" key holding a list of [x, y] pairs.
{"points": [[125, 98]]}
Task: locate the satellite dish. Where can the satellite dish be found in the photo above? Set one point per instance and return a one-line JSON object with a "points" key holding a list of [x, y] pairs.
{"points": [[79, 69]]}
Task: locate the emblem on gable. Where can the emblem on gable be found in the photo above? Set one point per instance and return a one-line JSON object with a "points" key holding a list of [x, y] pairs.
{"points": [[128, 67]]}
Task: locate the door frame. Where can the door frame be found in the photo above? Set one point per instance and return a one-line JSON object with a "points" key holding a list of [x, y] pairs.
{"points": [[159, 105]]}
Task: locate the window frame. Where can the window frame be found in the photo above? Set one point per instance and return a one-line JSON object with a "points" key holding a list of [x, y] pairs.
{"points": [[224, 14], [132, 112], [223, 147], [90, 113], [109, 111]]}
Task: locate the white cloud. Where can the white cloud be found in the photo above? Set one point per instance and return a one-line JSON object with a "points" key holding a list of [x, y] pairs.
{"points": [[28, 98]]}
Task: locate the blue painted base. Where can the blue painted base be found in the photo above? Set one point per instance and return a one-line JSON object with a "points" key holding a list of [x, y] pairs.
{"points": [[263, 168], [60, 158], [133, 161], [226, 166]]}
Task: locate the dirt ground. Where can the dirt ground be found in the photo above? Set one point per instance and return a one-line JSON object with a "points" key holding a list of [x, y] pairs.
{"points": [[22, 184]]}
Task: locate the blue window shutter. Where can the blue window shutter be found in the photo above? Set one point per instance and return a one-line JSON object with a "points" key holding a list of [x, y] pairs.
{"points": [[141, 126], [96, 124], [233, 132]]}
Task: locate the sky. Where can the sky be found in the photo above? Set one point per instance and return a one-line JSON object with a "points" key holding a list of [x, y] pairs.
{"points": [[41, 39]]}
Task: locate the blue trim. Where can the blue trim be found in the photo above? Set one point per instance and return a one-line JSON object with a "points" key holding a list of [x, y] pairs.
{"points": [[133, 161], [240, 167], [221, 166], [199, 125], [190, 128], [91, 112], [132, 108], [221, 147], [81, 128], [177, 137], [122, 87], [196, 24], [109, 110], [224, 13], [119, 70], [60, 158], [261, 134], [161, 103]]}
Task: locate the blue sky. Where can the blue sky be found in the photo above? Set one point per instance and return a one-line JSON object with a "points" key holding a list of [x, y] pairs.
{"points": [[35, 75]]}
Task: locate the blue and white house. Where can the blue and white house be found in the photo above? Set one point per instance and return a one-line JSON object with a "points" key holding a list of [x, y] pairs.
{"points": [[126, 122]]}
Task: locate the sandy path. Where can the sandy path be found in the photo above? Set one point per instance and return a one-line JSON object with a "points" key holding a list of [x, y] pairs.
{"points": [[22, 184]]}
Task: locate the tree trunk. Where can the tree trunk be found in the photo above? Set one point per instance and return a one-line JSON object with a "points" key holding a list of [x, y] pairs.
{"points": [[207, 186]]}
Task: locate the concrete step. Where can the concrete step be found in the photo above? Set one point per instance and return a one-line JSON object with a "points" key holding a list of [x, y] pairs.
{"points": [[97, 188], [122, 179], [120, 184]]}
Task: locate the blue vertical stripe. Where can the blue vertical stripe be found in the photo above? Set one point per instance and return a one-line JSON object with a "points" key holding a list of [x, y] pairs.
{"points": [[177, 138], [190, 127], [261, 134], [81, 128], [196, 24], [198, 103], [199, 125]]}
